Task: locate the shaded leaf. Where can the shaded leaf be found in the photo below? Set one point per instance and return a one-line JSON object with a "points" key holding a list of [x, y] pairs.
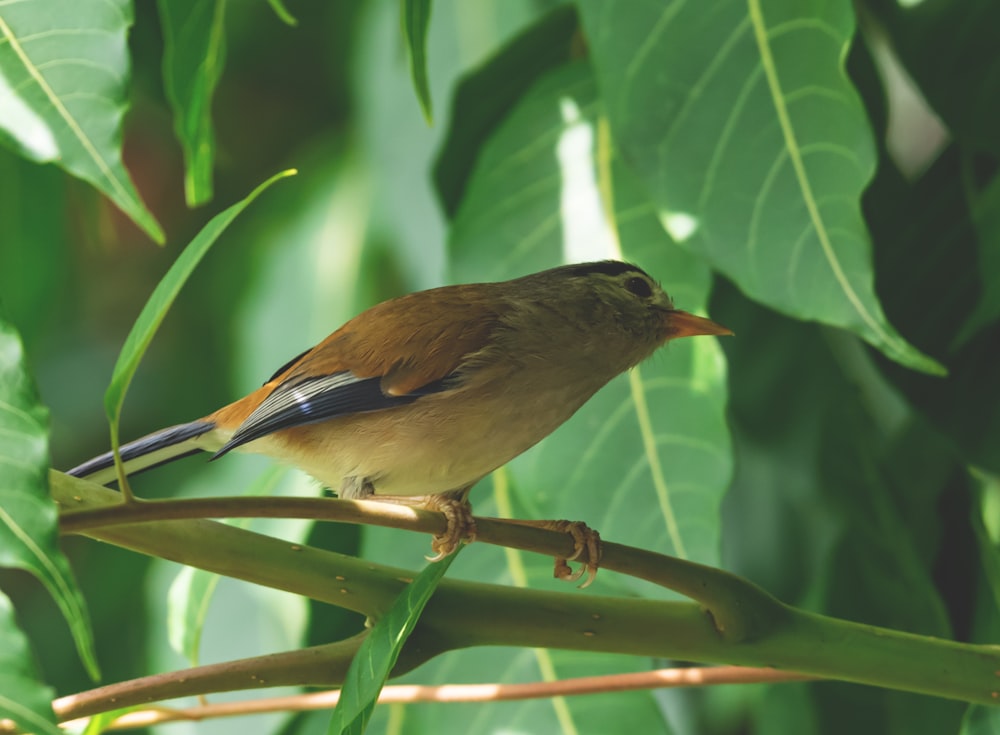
{"points": [[754, 146], [23, 697], [64, 70], [193, 59], [160, 300], [29, 537], [836, 502], [377, 655], [949, 48], [986, 217], [34, 257], [416, 17], [933, 296]]}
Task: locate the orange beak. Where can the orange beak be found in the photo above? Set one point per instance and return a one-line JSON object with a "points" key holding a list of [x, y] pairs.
{"points": [[683, 324]]}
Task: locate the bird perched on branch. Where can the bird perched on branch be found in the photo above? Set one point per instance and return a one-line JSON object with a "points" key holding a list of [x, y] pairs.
{"points": [[418, 398]]}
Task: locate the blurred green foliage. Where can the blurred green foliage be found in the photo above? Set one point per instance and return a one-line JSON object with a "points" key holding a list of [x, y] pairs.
{"points": [[745, 167]]}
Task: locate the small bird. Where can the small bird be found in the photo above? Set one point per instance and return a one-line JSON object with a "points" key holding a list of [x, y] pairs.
{"points": [[419, 397]]}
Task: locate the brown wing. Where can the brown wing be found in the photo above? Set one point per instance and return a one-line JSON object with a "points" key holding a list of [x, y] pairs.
{"points": [[390, 355], [407, 342]]}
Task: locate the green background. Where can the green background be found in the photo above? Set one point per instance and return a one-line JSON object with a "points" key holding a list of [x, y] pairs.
{"points": [[817, 453]]}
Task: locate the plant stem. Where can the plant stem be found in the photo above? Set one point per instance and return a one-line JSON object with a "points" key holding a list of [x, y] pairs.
{"points": [[464, 614]]}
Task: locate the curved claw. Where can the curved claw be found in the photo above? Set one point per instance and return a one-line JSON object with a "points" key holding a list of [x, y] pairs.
{"points": [[461, 526], [586, 539]]}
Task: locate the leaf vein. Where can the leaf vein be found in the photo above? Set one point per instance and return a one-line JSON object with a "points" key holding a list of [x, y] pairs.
{"points": [[805, 185]]}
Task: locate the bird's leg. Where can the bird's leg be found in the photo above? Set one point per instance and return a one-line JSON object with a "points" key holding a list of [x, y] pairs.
{"points": [[584, 538], [461, 526]]}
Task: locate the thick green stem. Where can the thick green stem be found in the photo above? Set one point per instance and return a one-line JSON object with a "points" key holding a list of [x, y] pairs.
{"points": [[464, 614], [740, 610]]}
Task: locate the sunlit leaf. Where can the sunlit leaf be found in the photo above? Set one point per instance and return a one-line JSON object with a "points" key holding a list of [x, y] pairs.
{"points": [[28, 517], [64, 70], [754, 146]]}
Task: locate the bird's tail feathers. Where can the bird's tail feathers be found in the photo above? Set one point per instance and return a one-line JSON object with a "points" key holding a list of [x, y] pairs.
{"points": [[150, 451]]}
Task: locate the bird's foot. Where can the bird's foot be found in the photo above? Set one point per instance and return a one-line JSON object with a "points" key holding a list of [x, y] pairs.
{"points": [[585, 539], [461, 525]]}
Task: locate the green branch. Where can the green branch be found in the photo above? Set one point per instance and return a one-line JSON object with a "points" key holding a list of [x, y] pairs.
{"points": [[465, 614]]}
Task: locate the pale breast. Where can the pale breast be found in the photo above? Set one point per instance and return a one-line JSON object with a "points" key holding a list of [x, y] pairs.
{"points": [[440, 443]]}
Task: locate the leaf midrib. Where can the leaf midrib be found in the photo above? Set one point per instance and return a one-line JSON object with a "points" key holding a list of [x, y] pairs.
{"points": [[798, 165], [56, 102]]}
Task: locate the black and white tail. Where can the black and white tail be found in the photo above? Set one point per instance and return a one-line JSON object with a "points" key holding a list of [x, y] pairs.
{"points": [[150, 451]]}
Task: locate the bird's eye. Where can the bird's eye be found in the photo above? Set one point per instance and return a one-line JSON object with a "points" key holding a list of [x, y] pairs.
{"points": [[639, 286]]}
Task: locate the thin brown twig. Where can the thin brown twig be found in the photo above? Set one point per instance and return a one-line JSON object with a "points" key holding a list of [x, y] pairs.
{"points": [[468, 693]]}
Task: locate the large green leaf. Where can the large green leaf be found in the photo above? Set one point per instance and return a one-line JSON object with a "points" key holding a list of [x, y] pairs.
{"points": [[28, 517], [64, 70], [193, 58], [646, 461], [753, 145], [23, 698]]}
